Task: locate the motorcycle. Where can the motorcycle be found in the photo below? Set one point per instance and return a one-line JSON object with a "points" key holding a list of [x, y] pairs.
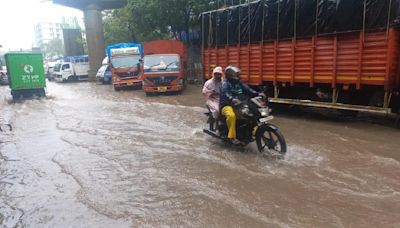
{"points": [[252, 124]]}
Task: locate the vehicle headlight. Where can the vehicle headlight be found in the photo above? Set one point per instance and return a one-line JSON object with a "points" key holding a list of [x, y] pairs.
{"points": [[180, 81], [264, 111], [144, 83]]}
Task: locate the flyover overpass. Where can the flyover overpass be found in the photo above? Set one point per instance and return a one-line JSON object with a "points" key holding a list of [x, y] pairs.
{"points": [[94, 27]]}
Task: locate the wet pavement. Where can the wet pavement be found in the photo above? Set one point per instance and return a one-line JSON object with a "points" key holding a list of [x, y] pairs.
{"points": [[87, 156]]}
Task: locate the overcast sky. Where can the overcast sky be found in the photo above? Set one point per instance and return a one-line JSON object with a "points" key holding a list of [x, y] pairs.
{"points": [[18, 17]]}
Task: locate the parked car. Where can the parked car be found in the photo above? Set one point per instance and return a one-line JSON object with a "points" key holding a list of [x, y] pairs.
{"points": [[104, 74], [53, 75], [49, 70], [49, 73], [3, 76]]}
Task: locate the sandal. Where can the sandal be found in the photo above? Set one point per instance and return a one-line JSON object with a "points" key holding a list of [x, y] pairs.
{"points": [[235, 142]]}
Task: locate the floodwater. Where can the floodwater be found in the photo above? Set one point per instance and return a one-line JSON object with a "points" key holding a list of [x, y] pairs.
{"points": [[87, 156]]}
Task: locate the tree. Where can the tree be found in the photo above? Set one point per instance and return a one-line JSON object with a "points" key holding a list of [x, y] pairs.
{"points": [[143, 20], [116, 27], [54, 48]]}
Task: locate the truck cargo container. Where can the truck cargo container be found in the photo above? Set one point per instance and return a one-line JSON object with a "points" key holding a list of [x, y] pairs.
{"points": [[164, 67], [331, 54], [26, 74]]}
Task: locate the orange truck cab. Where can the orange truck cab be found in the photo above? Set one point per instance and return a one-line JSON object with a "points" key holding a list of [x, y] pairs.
{"points": [[125, 62], [164, 66]]}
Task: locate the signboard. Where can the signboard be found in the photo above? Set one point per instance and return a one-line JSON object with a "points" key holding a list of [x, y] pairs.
{"points": [[125, 51]]}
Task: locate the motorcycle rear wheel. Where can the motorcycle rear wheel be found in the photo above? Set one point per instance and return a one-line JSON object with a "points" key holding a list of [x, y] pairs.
{"points": [[270, 139]]}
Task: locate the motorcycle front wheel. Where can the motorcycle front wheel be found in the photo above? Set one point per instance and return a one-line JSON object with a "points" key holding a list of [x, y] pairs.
{"points": [[269, 138]]}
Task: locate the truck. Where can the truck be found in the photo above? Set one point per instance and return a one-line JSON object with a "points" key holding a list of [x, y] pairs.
{"points": [[164, 66], [125, 62], [342, 55], [26, 74], [72, 68]]}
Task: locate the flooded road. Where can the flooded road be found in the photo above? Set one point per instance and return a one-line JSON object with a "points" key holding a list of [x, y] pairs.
{"points": [[90, 157]]}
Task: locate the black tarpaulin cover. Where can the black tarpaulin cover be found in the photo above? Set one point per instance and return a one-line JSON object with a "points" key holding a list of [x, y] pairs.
{"points": [[284, 19]]}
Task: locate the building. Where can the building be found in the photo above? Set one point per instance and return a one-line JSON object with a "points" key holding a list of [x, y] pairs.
{"points": [[46, 31], [68, 34]]}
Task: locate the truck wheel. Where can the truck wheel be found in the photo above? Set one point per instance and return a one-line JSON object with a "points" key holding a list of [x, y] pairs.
{"points": [[117, 89], [15, 96], [42, 93]]}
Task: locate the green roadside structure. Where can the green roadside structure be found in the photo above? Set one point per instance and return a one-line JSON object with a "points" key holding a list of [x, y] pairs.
{"points": [[26, 74]]}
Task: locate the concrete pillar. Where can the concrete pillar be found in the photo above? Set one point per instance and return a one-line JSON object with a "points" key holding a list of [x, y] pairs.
{"points": [[95, 38]]}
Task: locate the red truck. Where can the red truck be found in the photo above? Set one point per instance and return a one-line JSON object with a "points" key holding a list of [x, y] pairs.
{"points": [[164, 66], [344, 56], [124, 59]]}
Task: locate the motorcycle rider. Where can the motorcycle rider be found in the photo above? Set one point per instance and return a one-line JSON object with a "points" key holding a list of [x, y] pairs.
{"points": [[211, 90], [233, 92]]}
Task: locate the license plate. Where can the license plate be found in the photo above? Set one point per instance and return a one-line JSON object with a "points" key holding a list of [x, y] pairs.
{"points": [[130, 83], [162, 89], [266, 119]]}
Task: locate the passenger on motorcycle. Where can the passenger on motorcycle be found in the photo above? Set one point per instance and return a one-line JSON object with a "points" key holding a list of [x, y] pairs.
{"points": [[233, 92], [211, 90]]}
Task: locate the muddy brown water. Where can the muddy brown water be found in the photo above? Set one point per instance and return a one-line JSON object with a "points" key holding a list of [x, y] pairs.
{"points": [[87, 156]]}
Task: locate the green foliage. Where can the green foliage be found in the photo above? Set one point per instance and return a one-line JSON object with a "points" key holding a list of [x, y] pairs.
{"points": [[144, 20], [54, 48], [71, 23], [82, 42], [116, 27]]}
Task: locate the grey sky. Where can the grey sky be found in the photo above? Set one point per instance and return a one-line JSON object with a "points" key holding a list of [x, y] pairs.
{"points": [[17, 18]]}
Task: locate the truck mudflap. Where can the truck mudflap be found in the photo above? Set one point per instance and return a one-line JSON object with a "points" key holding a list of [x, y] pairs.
{"points": [[163, 89]]}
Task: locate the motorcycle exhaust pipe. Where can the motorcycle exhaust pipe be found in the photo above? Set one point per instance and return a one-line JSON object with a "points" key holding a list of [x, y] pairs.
{"points": [[212, 133]]}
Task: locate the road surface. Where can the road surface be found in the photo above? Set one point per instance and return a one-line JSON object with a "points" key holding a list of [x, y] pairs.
{"points": [[87, 156]]}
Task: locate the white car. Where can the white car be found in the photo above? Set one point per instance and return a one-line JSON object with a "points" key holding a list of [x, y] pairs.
{"points": [[3, 76], [104, 74]]}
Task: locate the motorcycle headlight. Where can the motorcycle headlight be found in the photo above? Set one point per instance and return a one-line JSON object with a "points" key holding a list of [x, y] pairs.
{"points": [[264, 111]]}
